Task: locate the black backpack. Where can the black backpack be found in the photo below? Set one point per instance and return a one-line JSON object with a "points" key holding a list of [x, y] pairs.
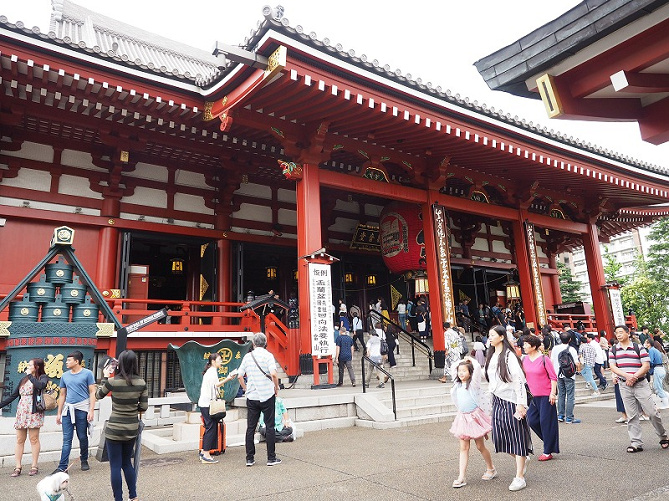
{"points": [[566, 363]]}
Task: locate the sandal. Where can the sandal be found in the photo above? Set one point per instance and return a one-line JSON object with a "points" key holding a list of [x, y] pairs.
{"points": [[489, 474], [33, 471], [664, 443], [633, 449], [16, 472], [459, 483]]}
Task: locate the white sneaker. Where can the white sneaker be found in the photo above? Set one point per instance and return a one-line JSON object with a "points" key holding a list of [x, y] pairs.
{"points": [[517, 484], [595, 394]]}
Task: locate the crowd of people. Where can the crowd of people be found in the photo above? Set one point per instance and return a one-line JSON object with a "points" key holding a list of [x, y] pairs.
{"points": [[531, 386]]}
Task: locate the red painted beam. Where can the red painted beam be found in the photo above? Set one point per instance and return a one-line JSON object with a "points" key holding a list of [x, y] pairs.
{"points": [[637, 53], [654, 124], [627, 81]]}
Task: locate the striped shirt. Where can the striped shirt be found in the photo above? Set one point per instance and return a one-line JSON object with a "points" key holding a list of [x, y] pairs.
{"points": [[627, 359], [258, 386], [127, 402]]}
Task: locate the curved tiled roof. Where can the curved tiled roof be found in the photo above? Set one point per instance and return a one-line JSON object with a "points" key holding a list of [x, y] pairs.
{"points": [[274, 20], [84, 30]]}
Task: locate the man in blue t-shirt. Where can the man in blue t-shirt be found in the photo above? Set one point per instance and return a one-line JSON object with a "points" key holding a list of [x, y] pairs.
{"points": [[75, 408], [343, 356]]}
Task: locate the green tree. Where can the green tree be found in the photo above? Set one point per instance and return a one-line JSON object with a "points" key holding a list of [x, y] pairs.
{"points": [[658, 252], [612, 268], [647, 296], [569, 288]]}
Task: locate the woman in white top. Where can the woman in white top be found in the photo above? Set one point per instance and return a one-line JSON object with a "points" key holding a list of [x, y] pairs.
{"points": [[210, 385], [510, 430]]}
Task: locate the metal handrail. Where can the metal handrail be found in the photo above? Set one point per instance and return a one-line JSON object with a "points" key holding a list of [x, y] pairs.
{"points": [[390, 376], [423, 347]]}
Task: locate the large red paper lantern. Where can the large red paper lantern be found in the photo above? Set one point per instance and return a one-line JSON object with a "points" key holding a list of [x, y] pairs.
{"points": [[401, 235]]}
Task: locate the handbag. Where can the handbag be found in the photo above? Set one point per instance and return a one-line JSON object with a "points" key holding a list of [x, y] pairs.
{"points": [[46, 401], [217, 408]]}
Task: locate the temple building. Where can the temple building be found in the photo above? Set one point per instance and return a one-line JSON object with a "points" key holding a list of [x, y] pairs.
{"points": [[196, 181]]}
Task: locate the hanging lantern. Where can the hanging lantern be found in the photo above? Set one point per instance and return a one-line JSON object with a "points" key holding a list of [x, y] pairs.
{"points": [[371, 279], [348, 278], [422, 286], [512, 290], [401, 236], [295, 275], [271, 273], [177, 266]]}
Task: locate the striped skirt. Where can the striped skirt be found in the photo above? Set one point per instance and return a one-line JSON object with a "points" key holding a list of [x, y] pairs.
{"points": [[509, 434]]}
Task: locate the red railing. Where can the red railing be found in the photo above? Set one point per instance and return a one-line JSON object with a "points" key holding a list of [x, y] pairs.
{"points": [[192, 316], [207, 316], [557, 320]]}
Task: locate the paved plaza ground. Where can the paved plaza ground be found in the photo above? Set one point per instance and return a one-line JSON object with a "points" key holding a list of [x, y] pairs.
{"points": [[410, 463]]}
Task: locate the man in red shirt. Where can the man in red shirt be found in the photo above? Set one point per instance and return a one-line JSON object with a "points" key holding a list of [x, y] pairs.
{"points": [[630, 364]]}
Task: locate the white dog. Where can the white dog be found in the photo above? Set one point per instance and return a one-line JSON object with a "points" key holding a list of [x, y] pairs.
{"points": [[52, 488]]}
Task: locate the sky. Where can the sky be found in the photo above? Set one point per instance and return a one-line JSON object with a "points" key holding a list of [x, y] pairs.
{"points": [[436, 40]]}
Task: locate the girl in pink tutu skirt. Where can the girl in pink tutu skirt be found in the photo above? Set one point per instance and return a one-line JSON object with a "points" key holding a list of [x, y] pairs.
{"points": [[471, 422]]}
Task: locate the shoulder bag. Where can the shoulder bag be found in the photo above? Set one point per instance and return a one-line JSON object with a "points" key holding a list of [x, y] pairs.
{"points": [[217, 408], [46, 401]]}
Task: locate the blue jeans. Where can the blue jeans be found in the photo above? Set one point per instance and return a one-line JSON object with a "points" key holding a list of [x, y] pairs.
{"points": [[566, 397], [403, 320], [120, 458], [658, 377], [586, 372], [81, 424]]}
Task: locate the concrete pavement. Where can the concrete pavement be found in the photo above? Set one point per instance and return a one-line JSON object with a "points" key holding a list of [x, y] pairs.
{"points": [[408, 463]]}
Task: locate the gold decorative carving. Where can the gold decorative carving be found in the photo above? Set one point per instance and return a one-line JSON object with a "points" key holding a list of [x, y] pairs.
{"points": [[207, 116], [125, 156], [276, 62]]}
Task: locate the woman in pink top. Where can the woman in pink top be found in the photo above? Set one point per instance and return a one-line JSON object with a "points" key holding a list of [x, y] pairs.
{"points": [[542, 380]]}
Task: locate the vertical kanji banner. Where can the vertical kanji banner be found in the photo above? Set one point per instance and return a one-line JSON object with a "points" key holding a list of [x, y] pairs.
{"points": [[535, 271], [441, 239], [322, 323]]}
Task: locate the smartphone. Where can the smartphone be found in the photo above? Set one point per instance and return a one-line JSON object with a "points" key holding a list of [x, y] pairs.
{"points": [[111, 363]]}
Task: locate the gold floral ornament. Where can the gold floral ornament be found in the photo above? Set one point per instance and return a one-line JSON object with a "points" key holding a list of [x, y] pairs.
{"points": [[53, 365], [23, 365]]}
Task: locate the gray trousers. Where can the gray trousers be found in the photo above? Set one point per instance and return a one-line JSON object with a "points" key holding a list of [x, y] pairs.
{"points": [[349, 365], [636, 399]]}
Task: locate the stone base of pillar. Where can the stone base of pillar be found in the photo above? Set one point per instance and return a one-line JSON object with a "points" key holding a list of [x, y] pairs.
{"points": [[439, 359]]}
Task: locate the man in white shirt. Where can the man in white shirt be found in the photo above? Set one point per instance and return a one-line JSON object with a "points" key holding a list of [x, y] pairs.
{"points": [[262, 388], [600, 358], [566, 384]]}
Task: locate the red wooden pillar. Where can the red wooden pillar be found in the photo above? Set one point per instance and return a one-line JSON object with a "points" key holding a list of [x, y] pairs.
{"points": [[555, 280], [223, 265], [593, 260], [436, 314], [308, 193], [524, 270], [105, 276]]}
